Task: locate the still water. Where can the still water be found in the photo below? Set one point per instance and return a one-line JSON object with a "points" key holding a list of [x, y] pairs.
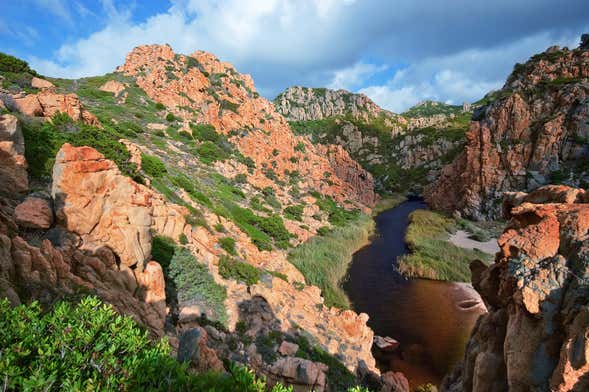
{"points": [[431, 319]]}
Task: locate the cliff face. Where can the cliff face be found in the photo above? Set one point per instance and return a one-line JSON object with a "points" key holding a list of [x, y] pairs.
{"points": [[304, 104], [202, 89], [534, 132], [534, 337]]}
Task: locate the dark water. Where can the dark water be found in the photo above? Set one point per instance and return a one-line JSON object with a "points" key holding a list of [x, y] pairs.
{"points": [[425, 316]]}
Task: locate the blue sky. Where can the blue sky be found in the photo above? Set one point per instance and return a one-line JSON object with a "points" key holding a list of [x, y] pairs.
{"points": [[398, 52]]}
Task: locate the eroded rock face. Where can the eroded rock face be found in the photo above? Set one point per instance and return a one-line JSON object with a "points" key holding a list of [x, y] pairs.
{"points": [[304, 103], [535, 132], [534, 337], [13, 164], [104, 207], [185, 85], [47, 103]]}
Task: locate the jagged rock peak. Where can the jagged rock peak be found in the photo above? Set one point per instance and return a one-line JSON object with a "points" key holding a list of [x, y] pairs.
{"points": [[305, 103], [532, 132]]}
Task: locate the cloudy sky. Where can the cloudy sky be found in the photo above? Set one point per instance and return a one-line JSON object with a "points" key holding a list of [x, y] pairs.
{"points": [[398, 52]]}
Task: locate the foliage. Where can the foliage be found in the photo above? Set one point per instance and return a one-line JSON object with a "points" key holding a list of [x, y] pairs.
{"points": [[170, 117], [152, 166], [432, 256], [228, 244], [294, 212], [324, 260], [194, 282], [208, 152], [431, 108], [205, 132], [240, 271], [43, 140], [162, 250], [88, 346], [337, 215], [10, 63]]}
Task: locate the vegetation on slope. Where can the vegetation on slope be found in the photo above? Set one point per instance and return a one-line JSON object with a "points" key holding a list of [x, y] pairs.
{"points": [[89, 346], [431, 108], [431, 255]]}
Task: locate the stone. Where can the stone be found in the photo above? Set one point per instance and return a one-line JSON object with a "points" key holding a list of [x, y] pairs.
{"points": [[499, 155], [288, 349], [13, 164], [41, 83], [536, 332], [385, 343], [394, 382], [47, 103], [113, 86], [34, 212], [300, 372], [194, 350], [104, 207]]}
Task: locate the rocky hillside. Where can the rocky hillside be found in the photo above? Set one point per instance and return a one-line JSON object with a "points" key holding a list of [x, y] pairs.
{"points": [[402, 153], [532, 132], [534, 337], [172, 191], [305, 103]]}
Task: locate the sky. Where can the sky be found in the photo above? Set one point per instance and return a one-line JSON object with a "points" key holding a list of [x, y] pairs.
{"points": [[398, 52]]}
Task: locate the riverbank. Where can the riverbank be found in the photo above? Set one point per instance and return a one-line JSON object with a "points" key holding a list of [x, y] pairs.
{"points": [[324, 260], [432, 253]]}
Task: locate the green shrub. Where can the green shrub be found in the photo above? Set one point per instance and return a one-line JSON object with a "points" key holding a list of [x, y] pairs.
{"points": [[205, 132], [194, 282], [162, 250], [240, 178], [152, 166], [228, 244], [294, 212], [183, 239], [300, 147], [208, 152], [160, 106], [89, 346], [170, 117], [10, 63], [230, 268]]}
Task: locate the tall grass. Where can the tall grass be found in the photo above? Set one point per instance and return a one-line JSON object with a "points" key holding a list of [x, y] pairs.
{"points": [[323, 261], [432, 255]]}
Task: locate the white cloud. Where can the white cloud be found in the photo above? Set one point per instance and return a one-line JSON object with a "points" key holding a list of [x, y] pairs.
{"points": [[352, 77], [57, 7]]}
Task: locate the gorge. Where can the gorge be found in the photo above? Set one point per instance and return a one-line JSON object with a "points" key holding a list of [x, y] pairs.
{"points": [[167, 209]]}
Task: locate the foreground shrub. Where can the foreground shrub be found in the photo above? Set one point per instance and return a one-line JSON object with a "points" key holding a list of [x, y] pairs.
{"points": [[89, 346], [152, 166]]}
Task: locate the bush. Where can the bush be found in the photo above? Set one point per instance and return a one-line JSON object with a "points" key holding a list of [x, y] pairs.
{"points": [[194, 282], [162, 250], [240, 178], [160, 106], [209, 152], [10, 63], [152, 166], [205, 132], [228, 244], [294, 212], [170, 117], [300, 147], [183, 239], [89, 346], [230, 268]]}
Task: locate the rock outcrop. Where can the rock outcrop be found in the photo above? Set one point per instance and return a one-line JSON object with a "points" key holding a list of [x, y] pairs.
{"points": [[104, 207], [35, 212], [47, 103], [305, 103], [535, 132], [535, 335], [202, 89], [41, 83], [13, 164]]}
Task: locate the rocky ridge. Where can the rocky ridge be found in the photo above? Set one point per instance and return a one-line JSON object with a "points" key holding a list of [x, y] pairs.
{"points": [[535, 334], [533, 132]]}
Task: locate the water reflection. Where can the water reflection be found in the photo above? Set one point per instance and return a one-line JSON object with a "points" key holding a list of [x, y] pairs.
{"points": [[431, 319]]}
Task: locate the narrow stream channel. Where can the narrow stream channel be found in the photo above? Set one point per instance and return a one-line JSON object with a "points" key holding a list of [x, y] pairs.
{"points": [[423, 315]]}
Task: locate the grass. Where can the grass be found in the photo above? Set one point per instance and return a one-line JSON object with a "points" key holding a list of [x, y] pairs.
{"points": [[323, 260], [431, 255]]}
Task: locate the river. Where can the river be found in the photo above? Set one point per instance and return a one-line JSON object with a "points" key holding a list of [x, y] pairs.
{"points": [[431, 319]]}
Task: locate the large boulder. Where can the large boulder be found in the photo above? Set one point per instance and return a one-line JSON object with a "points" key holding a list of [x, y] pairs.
{"points": [[41, 83], [302, 374], [13, 164], [193, 349], [106, 208], [35, 212], [47, 103], [535, 336]]}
